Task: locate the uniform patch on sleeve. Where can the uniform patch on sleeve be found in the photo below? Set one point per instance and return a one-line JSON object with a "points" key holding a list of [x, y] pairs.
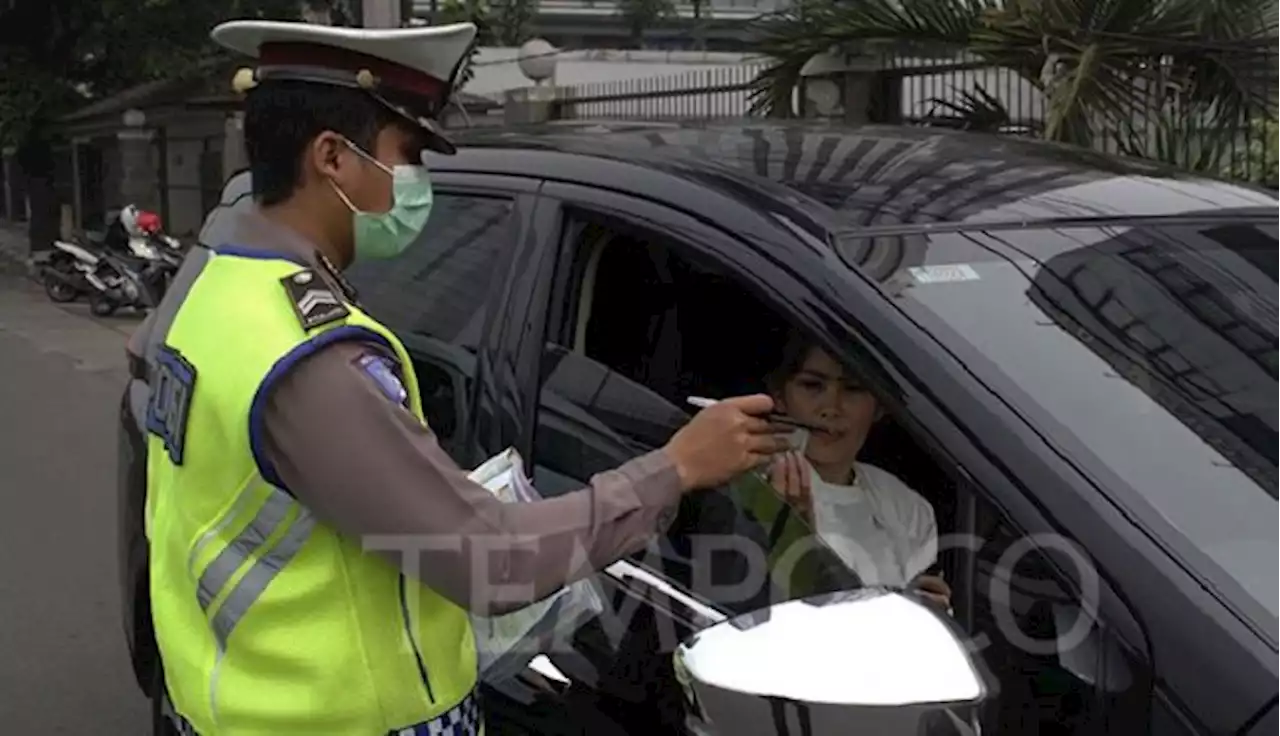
{"points": [[169, 406], [383, 372]]}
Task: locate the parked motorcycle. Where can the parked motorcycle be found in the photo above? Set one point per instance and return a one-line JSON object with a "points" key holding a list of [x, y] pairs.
{"points": [[130, 266], [64, 270]]}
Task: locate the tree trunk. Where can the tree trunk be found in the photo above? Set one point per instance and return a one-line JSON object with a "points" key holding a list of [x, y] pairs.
{"points": [[35, 157]]}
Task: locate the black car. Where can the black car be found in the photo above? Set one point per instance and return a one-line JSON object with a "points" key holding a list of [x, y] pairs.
{"points": [[1078, 355]]}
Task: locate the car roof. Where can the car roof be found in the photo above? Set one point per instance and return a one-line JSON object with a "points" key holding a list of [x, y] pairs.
{"points": [[858, 176]]}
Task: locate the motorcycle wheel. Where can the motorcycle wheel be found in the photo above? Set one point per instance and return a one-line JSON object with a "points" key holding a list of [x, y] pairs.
{"points": [[101, 306], [58, 291]]}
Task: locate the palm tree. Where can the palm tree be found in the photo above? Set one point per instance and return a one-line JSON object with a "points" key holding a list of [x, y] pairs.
{"points": [[1113, 67]]}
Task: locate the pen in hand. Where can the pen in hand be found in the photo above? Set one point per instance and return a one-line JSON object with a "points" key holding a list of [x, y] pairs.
{"points": [[702, 402]]}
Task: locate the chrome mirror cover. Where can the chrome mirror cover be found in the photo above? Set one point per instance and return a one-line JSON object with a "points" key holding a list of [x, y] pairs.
{"points": [[873, 660]]}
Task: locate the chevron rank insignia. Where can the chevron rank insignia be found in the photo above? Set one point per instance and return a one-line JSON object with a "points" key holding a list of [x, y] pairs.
{"points": [[313, 301]]}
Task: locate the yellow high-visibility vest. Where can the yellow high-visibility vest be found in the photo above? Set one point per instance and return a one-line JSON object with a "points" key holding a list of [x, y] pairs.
{"points": [[269, 621]]}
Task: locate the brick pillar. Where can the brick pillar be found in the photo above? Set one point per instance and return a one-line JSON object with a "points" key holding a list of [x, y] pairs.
{"points": [[139, 170], [525, 105]]}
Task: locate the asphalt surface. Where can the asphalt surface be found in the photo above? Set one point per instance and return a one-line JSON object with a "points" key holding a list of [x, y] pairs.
{"points": [[63, 664]]}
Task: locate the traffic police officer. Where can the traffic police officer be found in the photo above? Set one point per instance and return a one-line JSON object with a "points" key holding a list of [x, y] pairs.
{"points": [[285, 427]]}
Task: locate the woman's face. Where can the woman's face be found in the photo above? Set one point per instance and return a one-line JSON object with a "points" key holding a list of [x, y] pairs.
{"points": [[820, 394]]}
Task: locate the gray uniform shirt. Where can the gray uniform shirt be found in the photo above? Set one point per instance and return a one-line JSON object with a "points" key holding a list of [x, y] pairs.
{"points": [[365, 465]]}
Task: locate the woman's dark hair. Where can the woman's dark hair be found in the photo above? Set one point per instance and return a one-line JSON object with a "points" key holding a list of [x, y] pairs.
{"points": [[282, 118], [790, 361]]}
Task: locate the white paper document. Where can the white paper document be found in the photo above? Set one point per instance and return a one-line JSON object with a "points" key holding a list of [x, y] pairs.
{"points": [[506, 644]]}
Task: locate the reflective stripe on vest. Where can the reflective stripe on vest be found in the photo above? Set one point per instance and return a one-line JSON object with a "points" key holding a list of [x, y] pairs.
{"points": [[246, 546]]}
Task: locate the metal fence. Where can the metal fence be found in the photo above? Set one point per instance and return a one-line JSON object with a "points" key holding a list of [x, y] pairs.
{"points": [[700, 94], [955, 93]]}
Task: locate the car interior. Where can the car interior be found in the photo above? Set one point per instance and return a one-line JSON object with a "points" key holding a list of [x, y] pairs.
{"points": [[673, 327]]}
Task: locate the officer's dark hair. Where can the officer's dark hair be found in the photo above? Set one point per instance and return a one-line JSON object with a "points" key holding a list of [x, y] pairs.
{"points": [[282, 117]]}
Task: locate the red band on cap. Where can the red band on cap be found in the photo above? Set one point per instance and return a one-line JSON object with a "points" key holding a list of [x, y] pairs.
{"points": [[391, 76]]}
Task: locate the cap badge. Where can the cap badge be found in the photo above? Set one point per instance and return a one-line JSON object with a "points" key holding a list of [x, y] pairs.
{"points": [[244, 80]]}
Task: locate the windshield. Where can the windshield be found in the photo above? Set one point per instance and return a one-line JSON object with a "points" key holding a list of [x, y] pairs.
{"points": [[1147, 354]]}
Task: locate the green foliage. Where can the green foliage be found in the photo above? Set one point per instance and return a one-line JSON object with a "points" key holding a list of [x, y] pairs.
{"points": [[501, 22], [461, 11], [977, 110], [1104, 66], [512, 21], [1176, 138], [59, 56], [1255, 159]]}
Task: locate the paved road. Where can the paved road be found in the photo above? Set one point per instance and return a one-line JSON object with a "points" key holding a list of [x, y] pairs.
{"points": [[63, 667]]}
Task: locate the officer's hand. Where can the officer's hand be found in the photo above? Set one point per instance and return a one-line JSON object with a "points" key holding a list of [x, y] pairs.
{"points": [[725, 439]]}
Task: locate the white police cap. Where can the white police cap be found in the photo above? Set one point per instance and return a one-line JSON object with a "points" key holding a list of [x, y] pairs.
{"points": [[410, 70]]}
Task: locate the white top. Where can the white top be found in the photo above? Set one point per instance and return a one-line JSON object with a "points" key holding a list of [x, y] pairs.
{"points": [[881, 528]]}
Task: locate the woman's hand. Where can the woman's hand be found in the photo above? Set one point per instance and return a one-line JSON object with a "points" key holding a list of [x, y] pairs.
{"points": [[934, 590], [789, 475]]}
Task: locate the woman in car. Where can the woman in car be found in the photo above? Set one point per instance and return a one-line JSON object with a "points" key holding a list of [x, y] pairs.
{"points": [[878, 526]]}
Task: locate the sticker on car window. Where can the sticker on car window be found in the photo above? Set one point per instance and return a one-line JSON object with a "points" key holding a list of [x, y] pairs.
{"points": [[944, 274]]}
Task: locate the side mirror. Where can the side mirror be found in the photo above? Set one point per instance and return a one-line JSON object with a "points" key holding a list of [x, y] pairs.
{"points": [[865, 661]]}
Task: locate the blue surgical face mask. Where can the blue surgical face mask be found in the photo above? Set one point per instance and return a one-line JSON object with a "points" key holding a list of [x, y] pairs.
{"points": [[380, 235]]}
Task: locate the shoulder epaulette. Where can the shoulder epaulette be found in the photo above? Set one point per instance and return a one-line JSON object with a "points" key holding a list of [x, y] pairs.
{"points": [[313, 301]]}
